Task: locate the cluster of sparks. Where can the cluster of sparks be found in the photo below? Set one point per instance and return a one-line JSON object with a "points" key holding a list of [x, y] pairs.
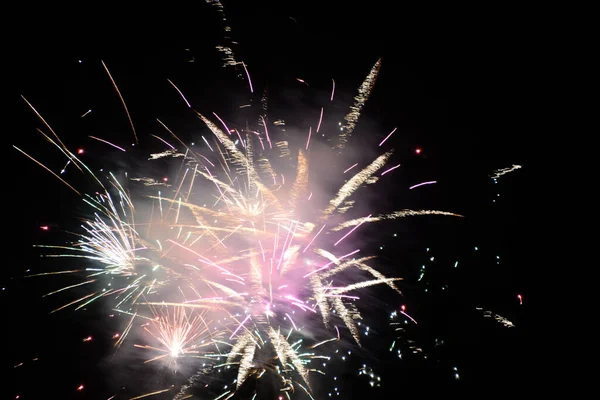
{"points": [[226, 50], [233, 263], [503, 171], [497, 317]]}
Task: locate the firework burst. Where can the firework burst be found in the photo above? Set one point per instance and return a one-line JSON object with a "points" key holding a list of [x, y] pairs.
{"points": [[233, 263], [178, 332]]}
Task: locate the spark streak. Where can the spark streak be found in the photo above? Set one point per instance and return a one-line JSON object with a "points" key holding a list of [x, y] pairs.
{"points": [[151, 394], [108, 143], [180, 93], [348, 169], [389, 170], [503, 171], [353, 229], [320, 120], [332, 89], [122, 101], [248, 75], [47, 169], [421, 184], [387, 137]]}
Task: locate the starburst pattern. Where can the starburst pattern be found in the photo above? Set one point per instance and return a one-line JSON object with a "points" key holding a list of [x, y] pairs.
{"points": [[231, 261]]}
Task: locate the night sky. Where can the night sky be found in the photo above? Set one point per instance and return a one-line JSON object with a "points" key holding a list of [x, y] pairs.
{"points": [[454, 82]]}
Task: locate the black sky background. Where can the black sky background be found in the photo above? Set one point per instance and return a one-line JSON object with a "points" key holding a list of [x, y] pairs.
{"points": [[459, 83]]}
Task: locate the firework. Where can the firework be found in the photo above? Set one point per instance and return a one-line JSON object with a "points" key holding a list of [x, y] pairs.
{"points": [[226, 49], [497, 317], [178, 333], [232, 262], [503, 171]]}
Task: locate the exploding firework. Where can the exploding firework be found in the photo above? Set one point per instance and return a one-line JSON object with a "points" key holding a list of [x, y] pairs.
{"points": [[234, 263], [178, 332]]}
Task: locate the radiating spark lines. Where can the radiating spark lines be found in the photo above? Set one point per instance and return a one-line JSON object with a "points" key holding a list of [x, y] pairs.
{"points": [[231, 260]]}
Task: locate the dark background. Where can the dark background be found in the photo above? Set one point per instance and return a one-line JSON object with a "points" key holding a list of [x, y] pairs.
{"points": [[458, 82]]}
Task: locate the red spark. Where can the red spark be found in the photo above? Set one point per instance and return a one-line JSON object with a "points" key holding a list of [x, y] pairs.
{"points": [[87, 339], [520, 299], [403, 307], [80, 388], [80, 151], [165, 179], [418, 150], [44, 227]]}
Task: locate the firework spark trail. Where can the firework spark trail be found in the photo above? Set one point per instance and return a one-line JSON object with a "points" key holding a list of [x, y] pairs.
{"points": [[53, 273], [300, 185], [246, 363], [248, 76], [44, 121], [352, 230], [48, 169], [320, 120], [175, 136], [387, 137], [108, 143], [360, 264], [226, 49], [151, 393], [313, 239], [390, 169], [503, 171], [182, 394], [223, 123], [349, 168], [165, 142], [408, 316], [497, 317], [391, 216], [239, 159], [70, 156], [423, 183], [286, 352], [239, 326], [266, 131], [355, 182], [341, 267], [360, 285], [122, 101], [180, 93], [332, 89], [364, 92], [334, 260]]}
